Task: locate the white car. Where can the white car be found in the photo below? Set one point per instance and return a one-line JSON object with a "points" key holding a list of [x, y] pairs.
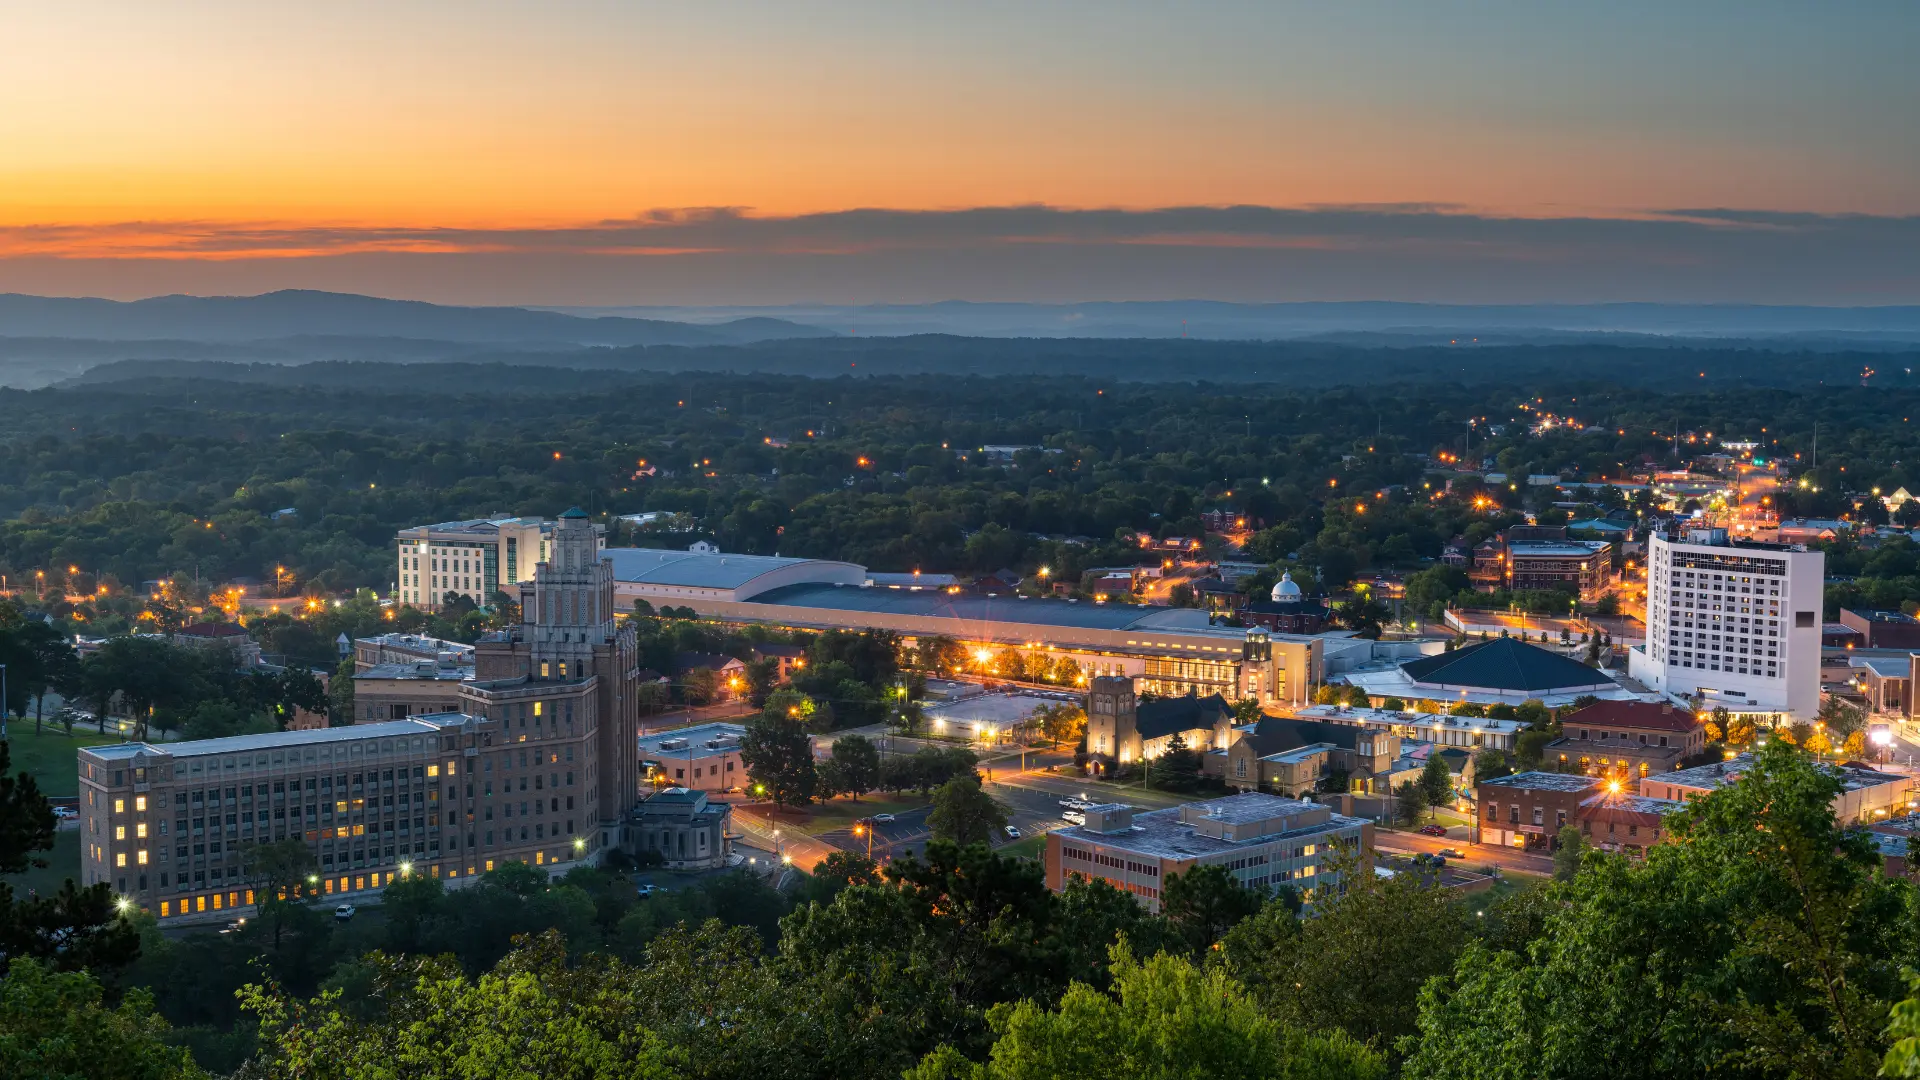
{"points": [[1073, 817], [1012, 832], [883, 819], [343, 913], [65, 812]]}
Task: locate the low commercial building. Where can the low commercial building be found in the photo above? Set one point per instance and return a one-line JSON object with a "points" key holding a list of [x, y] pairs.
{"points": [[684, 828], [1266, 842], [1882, 629], [991, 717], [409, 649], [1886, 681], [1627, 740], [1469, 732], [705, 757], [231, 638], [1528, 810], [1868, 795], [1624, 822], [395, 691], [1539, 558]]}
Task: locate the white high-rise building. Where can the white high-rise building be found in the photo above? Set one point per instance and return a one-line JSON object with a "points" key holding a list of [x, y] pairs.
{"points": [[474, 558], [1733, 623]]}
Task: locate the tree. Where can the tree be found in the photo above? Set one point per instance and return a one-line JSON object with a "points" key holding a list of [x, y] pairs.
{"points": [[1204, 903], [1060, 722], [778, 755], [1169, 1018], [1364, 614], [1357, 697], [700, 686], [278, 871], [963, 814], [1436, 780], [42, 659], [72, 929], [1410, 801], [1491, 764], [762, 676], [1392, 935], [1178, 768], [1569, 845], [340, 695], [56, 1024], [1764, 940], [859, 763]]}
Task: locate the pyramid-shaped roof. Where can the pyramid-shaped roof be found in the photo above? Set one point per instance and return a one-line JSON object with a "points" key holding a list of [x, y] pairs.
{"points": [[1505, 664]]}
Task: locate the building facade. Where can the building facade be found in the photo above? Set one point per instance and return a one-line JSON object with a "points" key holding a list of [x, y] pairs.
{"points": [[1266, 842], [473, 559], [538, 766], [1528, 810], [1866, 796], [172, 827], [705, 757], [1733, 623], [1627, 740], [685, 829], [1123, 729]]}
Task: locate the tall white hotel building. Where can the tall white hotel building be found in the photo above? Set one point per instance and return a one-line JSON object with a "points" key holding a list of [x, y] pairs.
{"points": [[1734, 623]]}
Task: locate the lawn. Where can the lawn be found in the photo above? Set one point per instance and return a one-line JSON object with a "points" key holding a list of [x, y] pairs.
{"points": [[49, 756], [63, 862], [1029, 847], [841, 813]]}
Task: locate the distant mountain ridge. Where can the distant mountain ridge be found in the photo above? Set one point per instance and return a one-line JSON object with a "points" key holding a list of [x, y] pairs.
{"points": [[295, 313]]}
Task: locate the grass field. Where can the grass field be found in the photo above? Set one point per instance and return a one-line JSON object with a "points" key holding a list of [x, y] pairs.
{"points": [[49, 755], [1029, 847], [841, 813], [63, 862]]}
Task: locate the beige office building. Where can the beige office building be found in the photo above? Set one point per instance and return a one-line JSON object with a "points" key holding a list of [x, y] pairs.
{"points": [[539, 766]]}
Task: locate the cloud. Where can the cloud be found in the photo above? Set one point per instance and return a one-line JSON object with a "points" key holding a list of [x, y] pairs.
{"points": [[1022, 252]]}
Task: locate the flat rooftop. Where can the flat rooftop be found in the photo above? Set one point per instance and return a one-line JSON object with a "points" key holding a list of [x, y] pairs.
{"points": [[997, 709], [278, 740], [1162, 834], [697, 737], [1009, 609], [424, 670], [1719, 774], [701, 570], [1547, 781]]}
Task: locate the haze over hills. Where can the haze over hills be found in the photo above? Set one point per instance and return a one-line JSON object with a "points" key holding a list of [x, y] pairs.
{"points": [[45, 340], [297, 313], [1219, 320]]}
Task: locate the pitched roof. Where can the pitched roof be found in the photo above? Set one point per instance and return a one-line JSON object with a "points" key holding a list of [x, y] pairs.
{"points": [[1277, 735], [1165, 716], [687, 661], [1634, 715], [1504, 664]]}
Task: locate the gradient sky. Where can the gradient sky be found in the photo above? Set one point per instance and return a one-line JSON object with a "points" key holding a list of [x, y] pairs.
{"points": [[550, 152]]}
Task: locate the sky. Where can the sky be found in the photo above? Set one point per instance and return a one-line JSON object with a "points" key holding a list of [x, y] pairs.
{"points": [[572, 152]]}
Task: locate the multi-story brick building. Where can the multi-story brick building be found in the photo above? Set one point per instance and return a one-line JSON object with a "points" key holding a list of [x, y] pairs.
{"points": [[1264, 841], [1529, 809], [539, 766], [473, 559]]}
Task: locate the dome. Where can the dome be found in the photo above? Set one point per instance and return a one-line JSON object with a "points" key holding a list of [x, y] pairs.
{"points": [[1285, 589]]}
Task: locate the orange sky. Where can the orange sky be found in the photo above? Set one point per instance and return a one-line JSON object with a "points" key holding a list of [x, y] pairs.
{"points": [[515, 114], [214, 130]]}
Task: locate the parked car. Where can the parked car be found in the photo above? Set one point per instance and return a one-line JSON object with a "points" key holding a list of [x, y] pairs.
{"points": [[1452, 853], [343, 913], [1073, 817], [65, 812], [646, 891], [1434, 830], [1012, 833], [234, 926], [884, 819]]}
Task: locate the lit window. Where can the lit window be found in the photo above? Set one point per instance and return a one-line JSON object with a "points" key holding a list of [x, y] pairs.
{"points": [[120, 859], [119, 806], [143, 857], [140, 803], [119, 832], [140, 830]]}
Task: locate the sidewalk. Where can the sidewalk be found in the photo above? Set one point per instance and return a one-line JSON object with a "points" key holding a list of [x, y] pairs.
{"points": [[803, 850]]}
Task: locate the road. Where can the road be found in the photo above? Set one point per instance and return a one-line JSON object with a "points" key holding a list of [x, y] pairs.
{"points": [[1507, 859]]}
